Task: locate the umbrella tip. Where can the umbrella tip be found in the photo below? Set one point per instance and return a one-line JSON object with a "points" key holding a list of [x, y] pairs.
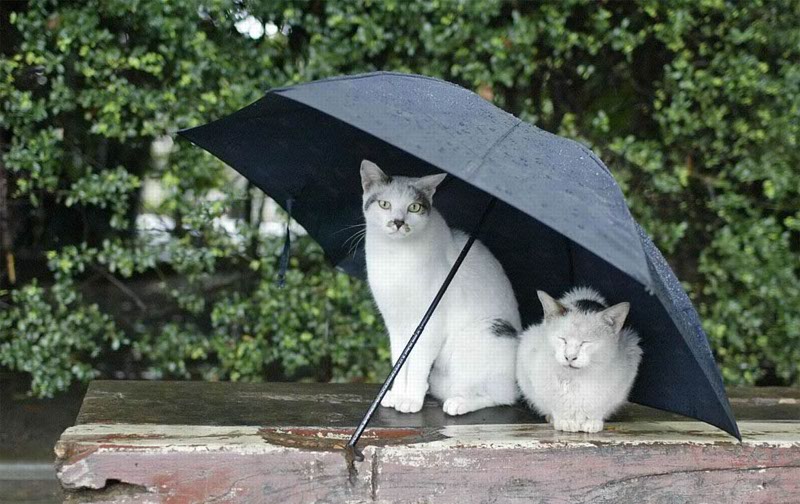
{"points": [[353, 454]]}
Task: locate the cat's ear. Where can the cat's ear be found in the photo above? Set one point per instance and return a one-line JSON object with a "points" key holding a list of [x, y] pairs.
{"points": [[615, 316], [372, 175], [429, 184], [552, 308]]}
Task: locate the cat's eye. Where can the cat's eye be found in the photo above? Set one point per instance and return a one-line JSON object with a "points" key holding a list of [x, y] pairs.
{"points": [[414, 207], [384, 204]]}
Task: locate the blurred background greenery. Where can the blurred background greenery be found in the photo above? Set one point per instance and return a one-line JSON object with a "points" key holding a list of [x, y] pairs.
{"points": [[128, 254]]}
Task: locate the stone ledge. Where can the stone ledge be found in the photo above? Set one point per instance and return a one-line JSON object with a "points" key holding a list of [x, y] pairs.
{"points": [[660, 458]]}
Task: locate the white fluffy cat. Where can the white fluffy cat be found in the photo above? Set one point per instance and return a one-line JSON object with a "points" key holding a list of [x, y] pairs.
{"points": [[467, 351], [578, 365]]}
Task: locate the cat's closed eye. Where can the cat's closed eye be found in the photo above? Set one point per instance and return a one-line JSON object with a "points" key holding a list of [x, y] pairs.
{"points": [[384, 204]]}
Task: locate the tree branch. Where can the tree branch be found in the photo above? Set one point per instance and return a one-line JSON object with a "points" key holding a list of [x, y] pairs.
{"points": [[122, 287]]}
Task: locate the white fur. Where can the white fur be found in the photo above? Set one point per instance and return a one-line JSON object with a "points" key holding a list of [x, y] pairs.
{"points": [[467, 365], [576, 367]]}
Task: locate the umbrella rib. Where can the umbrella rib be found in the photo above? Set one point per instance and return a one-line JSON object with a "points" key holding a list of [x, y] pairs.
{"points": [[497, 142], [352, 452]]}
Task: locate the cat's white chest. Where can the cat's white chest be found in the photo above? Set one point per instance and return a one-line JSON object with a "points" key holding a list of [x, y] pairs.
{"points": [[566, 386], [403, 279], [404, 269]]}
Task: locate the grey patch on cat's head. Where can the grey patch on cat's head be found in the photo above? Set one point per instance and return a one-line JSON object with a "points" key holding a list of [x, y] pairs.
{"points": [[615, 316], [589, 306], [424, 188], [422, 198], [370, 200], [503, 329]]}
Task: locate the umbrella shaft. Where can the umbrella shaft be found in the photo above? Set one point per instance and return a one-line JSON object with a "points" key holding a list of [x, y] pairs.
{"points": [[417, 333]]}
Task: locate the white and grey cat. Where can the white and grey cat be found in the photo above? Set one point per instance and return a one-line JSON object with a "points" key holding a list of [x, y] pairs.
{"points": [[578, 365], [467, 351]]}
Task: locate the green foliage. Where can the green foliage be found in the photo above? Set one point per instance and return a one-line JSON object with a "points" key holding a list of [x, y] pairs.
{"points": [[47, 338], [320, 325], [695, 106]]}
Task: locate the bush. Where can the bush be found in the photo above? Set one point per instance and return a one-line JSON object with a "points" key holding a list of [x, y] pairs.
{"points": [[695, 106]]}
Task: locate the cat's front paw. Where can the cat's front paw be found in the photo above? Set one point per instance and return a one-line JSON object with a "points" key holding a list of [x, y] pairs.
{"points": [[456, 406], [549, 418], [591, 426], [566, 425], [388, 400], [407, 403]]}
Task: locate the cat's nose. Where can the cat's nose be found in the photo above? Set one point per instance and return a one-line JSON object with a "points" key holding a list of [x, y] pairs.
{"points": [[398, 223], [571, 359]]}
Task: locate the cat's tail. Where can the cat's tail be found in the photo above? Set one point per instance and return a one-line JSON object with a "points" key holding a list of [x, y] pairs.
{"points": [[502, 328]]}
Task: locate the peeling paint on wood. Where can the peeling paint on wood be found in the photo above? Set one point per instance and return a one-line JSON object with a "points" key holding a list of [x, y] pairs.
{"points": [[181, 464], [705, 472]]}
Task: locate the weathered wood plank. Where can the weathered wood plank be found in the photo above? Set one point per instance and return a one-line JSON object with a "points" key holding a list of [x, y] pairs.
{"points": [[663, 461], [269, 404], [342, 405], [192, 442], [634, 462], [178, 464]]}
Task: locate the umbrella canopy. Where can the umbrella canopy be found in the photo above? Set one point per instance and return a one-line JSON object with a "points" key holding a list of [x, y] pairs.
{"points": [[560, 221]]}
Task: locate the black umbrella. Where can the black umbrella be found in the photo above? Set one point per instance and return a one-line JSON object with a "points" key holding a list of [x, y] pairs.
{"points": [[560, 219]]}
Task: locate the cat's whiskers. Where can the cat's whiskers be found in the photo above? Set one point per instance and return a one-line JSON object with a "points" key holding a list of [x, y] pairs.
{"points": [[360, 224], [357, 244], [355, 240]]}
